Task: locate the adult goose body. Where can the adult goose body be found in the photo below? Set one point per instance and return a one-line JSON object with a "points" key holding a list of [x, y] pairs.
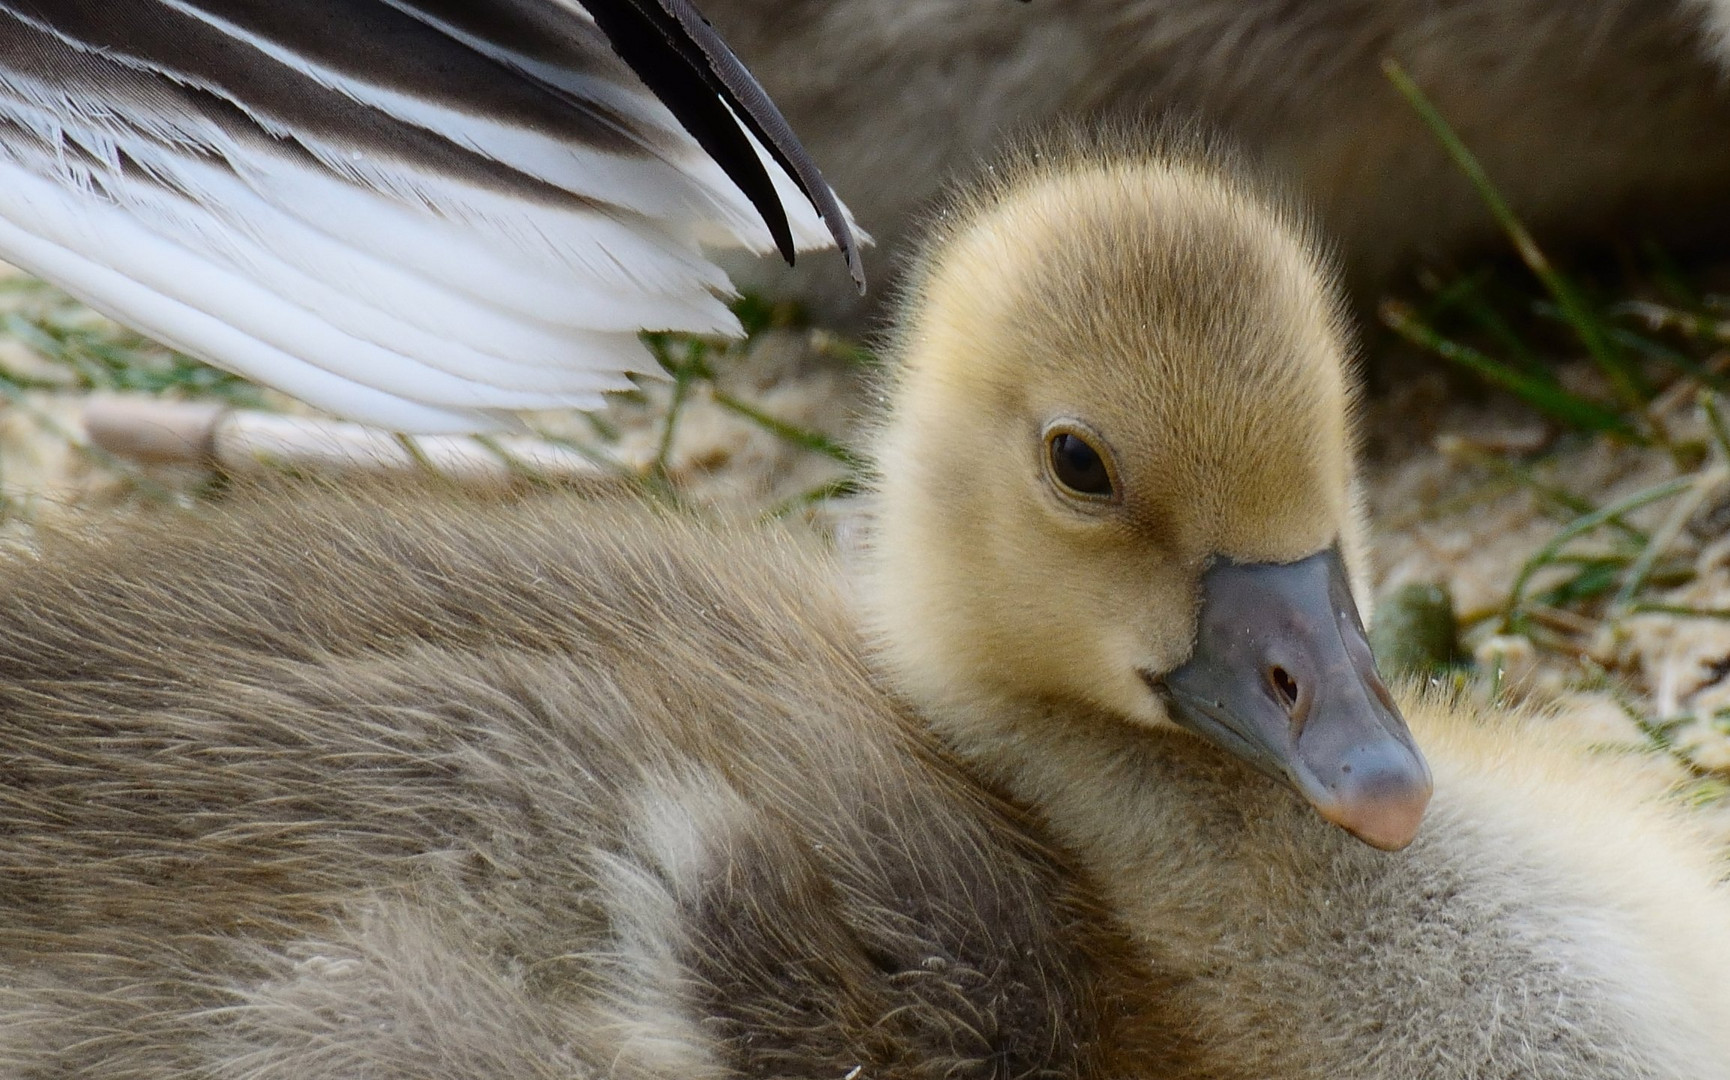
{"points": [[1588, 115], [418, 213]]}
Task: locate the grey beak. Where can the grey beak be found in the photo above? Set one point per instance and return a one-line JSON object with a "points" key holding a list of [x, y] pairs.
{"points": [[1282, 677]]}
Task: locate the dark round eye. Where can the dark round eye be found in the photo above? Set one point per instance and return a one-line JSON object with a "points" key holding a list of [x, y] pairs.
{"points": [[1078, 466]]}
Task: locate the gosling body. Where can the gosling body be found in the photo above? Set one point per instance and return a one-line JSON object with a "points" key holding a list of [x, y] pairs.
{"points": [[1553, 918], [488, 791]]}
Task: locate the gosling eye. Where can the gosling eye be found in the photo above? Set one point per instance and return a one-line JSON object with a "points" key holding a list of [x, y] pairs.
{"points": [[1077, 466]]}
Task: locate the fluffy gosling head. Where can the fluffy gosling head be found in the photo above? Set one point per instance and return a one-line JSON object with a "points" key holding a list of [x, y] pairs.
{"points": [[1116, 475]]}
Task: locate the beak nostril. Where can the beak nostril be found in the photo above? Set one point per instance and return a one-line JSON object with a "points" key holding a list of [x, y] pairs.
{"points": [[1283, 685], [1293, 698]]}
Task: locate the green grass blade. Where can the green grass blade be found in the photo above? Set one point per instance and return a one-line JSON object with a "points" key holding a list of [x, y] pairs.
{"points": [[814, 441], [1622, 375], [1702, 484], [1715, 422], [1557, 498], [1680, 611], [1579, 527], [1547, 397]]}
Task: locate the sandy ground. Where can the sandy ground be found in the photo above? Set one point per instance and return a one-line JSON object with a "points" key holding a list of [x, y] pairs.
{"points": [[1457, 496]]}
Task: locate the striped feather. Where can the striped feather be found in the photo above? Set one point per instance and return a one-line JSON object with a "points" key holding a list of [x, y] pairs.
{"points": [[422, 214]]}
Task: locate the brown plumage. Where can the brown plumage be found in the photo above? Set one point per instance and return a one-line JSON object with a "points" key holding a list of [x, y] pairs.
{"points": [[386, 789], [418, 786], [1589, 114]]}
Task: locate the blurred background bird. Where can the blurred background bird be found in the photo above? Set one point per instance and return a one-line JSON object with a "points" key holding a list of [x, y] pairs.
{"points": [[1588, 114]]}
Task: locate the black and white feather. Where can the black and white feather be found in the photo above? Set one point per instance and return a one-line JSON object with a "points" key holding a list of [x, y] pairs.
{"points": [[424, 214]]}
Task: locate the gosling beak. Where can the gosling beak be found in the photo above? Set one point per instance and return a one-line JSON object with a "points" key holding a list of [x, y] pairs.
{"points": [[1282, 677]]}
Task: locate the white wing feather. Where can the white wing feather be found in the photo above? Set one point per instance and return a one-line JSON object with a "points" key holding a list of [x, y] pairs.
{"points": [[367, 286]]}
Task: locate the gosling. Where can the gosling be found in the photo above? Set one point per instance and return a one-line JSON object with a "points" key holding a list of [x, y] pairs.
{"points": [[418, 786]]}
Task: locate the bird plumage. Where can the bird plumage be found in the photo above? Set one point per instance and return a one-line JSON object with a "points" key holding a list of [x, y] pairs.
{"points": [[418, 214], [426, 785], [422, 789], [1550, 918], [1591, 116]]}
